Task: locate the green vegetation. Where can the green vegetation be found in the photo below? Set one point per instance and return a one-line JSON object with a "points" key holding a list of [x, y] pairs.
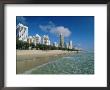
{"points": [[21, 45], [25, 46]]}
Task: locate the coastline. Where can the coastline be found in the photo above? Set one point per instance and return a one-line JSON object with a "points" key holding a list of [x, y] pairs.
{"points": [[27, 59]]}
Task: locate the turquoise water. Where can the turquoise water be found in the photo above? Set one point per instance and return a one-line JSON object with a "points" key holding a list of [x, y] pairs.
{"points": [[79, 63]]}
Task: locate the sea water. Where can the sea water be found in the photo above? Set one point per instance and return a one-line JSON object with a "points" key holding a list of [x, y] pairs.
{"points": [[79, 63]]}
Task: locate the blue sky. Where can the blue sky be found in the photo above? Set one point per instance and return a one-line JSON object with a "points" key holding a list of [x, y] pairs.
{"points": [[79, 29]]}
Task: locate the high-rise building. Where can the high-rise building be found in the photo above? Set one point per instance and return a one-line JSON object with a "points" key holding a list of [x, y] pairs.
{"points": [[34, 40], [29, 40], [37, 39], [61, 40], [22, 32], [46, 40], [70, 45]]}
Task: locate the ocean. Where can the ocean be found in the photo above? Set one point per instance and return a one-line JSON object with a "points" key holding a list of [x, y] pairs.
{"points": [[79, 63]]}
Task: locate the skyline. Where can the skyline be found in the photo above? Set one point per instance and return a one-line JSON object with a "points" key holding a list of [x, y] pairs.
{"points": [[79, 29]]}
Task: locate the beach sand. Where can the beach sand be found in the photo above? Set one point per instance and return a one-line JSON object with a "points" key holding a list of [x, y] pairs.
{"points": [[27, 59]]}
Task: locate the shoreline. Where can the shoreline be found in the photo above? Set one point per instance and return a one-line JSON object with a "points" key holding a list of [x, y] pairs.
{"points": [[28, 59]]}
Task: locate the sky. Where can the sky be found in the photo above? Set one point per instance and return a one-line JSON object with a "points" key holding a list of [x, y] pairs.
{"points": [[79, 29]]}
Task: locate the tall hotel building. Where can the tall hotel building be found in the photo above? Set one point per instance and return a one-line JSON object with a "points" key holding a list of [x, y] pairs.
{"points": [[46, 40], [70, 45], [61, 40], [34, 39], [30, 40], [37, 39], [22, 32]]}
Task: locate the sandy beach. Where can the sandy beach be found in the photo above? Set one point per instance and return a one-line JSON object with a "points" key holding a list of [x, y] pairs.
{"points": [[27, 59]]}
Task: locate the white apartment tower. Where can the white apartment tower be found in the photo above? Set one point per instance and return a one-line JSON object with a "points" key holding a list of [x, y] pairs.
{"points": [[34, 39], [22, 32], [46, 40], [37, 39], [61, 40], [70, 45], [30, 40]]}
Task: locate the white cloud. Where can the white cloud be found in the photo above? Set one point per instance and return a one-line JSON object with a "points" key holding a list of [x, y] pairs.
{"points": [[50, 27], [47, 27], [61, 30]]}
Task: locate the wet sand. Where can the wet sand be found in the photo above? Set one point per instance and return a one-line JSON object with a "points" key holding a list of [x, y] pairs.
{"points": [[27, 59]]}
